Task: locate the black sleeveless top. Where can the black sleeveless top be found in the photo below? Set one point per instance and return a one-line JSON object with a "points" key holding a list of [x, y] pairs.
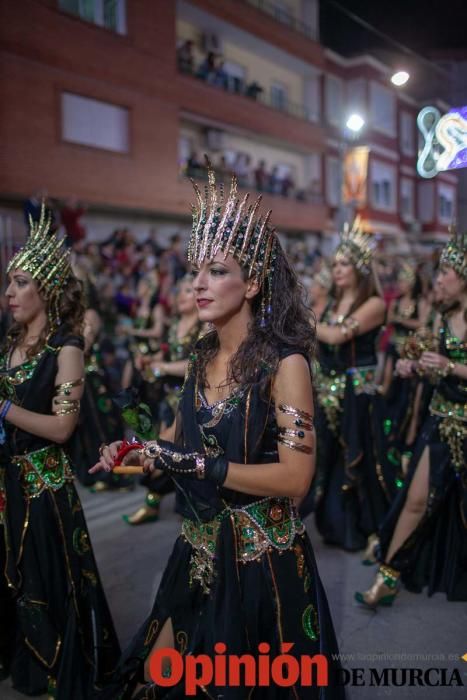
{"points": [[357, 352], [32, 386], [244, 429]]}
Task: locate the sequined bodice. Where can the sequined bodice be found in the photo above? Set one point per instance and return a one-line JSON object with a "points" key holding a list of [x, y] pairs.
{"points": [[358, 352], [452, 386]]}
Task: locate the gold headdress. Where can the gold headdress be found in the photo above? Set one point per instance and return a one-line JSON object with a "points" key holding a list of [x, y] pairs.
{"points": [[46, 258], [233, 228], [407, 273], [454, 253], [358, 246], [324, 277]]}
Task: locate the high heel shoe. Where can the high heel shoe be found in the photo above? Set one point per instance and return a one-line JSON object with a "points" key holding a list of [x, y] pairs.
{"points": [[148, 513], [383, 591], [369, 557]]}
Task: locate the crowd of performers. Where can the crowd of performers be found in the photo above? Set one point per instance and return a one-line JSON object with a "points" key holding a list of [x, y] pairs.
{"points": [[257, 410]]}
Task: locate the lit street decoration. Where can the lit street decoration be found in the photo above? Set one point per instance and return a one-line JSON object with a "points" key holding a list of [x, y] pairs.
{"points": [[445, 140]]}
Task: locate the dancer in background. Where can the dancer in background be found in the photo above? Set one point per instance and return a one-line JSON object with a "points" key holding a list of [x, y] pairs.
{"points": [[242, 450], [61, 636], [424, 537], [407, 314], [353, 488], [169, 369]]}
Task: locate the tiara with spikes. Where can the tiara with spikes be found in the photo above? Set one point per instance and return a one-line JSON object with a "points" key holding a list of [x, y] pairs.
{"points": [[454, 253], [407, 273], [232, 227], [45, 257], [357, 245]]}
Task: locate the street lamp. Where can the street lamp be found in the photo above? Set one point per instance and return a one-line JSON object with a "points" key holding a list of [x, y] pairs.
{"points": [[355, 123], [400, 78]]}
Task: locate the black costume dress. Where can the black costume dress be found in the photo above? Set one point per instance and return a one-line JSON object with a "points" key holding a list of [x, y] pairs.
{"points": [[399, 400], [61, 636], [99, 422], [435, 554], [243, 570], [354, 483], [175, 350]]}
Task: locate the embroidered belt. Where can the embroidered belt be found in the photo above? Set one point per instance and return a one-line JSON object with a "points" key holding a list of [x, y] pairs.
{"points": [[271, 523], [331, 389], [47, 468], [453, 426]]}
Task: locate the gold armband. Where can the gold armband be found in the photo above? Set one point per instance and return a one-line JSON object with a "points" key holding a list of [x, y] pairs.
{"points": [[295, 445], [66, 387], [302, 420]]}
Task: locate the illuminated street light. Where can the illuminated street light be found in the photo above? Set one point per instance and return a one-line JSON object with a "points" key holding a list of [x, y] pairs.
{"points": [[400, 78], [355, 123]]}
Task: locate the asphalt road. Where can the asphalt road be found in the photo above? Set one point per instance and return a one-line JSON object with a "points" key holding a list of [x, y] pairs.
{"points": [[417, 632]]}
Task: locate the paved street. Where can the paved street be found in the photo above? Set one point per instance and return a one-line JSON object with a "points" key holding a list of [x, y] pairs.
{"points": [[131, 562]]}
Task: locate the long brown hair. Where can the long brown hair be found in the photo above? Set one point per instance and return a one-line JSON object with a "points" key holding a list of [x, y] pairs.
{"points": [[367, 287], [287, 325], [71, 309]]}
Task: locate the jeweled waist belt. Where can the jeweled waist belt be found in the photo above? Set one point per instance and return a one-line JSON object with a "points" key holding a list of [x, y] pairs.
{"points": [[439, 406], [47, 468], [452, 427], [267, 524]]}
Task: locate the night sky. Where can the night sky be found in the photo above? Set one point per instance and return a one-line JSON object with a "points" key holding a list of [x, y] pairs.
{"points": [[422, 25]]}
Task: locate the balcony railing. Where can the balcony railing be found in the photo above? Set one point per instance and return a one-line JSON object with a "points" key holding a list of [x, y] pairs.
{"points": [[274, 10], [252, 90], [267, 185]]}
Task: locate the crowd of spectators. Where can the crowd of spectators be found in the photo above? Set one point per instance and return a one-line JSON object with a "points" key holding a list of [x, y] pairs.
{"points": [[212, 70], [275, 181]]}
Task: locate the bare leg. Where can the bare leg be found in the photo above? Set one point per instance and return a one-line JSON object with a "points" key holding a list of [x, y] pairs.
{"points": [[387, 375], [165, 639], [414, 508]]}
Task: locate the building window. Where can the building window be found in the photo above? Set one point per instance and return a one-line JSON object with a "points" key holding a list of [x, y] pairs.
{"points": [[445, 203], [383, 186], [382, 109], [426, 199], [407, 199], [333, 181], [110, 14], [94, 123], [279, 96], [334, 99], [407, 138]]}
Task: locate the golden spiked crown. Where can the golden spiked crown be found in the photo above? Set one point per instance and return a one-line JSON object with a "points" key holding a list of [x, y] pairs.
{"points": [[454, 253], [44, 256], [233, 227], [407, 273], [358, 246]]}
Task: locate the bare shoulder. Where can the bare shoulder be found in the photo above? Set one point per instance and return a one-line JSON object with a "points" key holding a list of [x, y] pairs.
{"points": [[293, 370]]}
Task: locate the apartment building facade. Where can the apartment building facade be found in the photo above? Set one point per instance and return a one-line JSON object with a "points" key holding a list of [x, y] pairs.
{"points": [[102, 103]]}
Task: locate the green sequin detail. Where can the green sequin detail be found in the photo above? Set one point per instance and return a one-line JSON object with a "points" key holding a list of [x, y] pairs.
{"points": [[310, 623], [48, 468]]}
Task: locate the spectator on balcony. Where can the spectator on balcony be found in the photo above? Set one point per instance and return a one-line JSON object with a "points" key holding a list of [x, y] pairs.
{"points": [[261, 177], [70, 215], [287, 185], [222, 77], [185, 57], [253, 90], [275, 182], [242, 169], [193, 163], [208, 69]]}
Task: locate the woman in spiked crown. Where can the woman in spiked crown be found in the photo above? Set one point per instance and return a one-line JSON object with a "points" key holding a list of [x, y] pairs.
{"points": [[241, 451], [352, 489], [424, 537], [59, 634]]}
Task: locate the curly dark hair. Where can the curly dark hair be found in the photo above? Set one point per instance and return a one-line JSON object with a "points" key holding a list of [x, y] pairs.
{"points": [[71, 309], [290, 323]]}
